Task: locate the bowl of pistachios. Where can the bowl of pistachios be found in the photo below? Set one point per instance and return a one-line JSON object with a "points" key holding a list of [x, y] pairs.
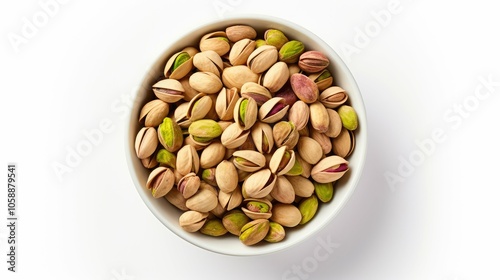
{"points": [[247, 136]]}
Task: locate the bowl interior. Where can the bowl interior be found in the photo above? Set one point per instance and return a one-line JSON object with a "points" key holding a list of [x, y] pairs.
{"points": [[231, 245]]}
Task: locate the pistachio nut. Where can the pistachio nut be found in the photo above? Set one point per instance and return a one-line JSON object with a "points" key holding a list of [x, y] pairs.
{"points": [[275, 38], [218, 211], [318, 116], [160, 181], [296, 169], [188, 185], [208, 61], [237, 76], [240, 51], [334, 124], [166, 158], [273, 110], [308, 208], [333, 97], [190, 50], [305, 89], [204, 130], [189, 92], [248, 160], [255, 231], [192, 221], [293, 69], [199, 107], [262, 135], [348, 116], [257, 208], [206, 82], [187, 160], [213, 227], [149, 162], [212, 155], [299, 114], [226, 100], [245, 112], [276, 233], [233, 136], [178, 65], [324, 191], [170, 135], [323, 140], [258, 184], [236, 33], [303, 187], [306, 167], [322, 79], [215, 41], [285, 134], [262, 58], [169, 90], [343, 145], [286, 92], [226, 176], [146, 142], [208, 176], [231, 200], [234, 221], [305, 131], [204, 200], [291, 51], [329, 169], [313, 61], [287, 215], [175, 198], [309, 149], [275, 77], [259, 43], [283, 190], [197, 145], [180, 115], [243, 175], [282, 161], [154, 112], [255, 91]]}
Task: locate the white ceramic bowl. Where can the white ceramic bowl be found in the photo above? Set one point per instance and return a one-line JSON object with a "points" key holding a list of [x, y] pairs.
{"points": [[230, 244]]}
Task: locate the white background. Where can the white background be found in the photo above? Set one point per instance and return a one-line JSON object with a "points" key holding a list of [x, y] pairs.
{"points": [[78, 70]]}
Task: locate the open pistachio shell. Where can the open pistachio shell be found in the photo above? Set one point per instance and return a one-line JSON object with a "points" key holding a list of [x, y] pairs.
{"points": [[192, 221], [233, 136], [329, 169], [258, 184], [146, 142], [257, 208], [160, 181], [255, 91], [334, 125], [245, 112], [231, 200], [262, 135], [344, 143], [324, 141], [215, 41], [262, 58], [226, 100], [333, 97], [187, 160], [188, 185], [208, 61], [169, 90], [248, 160], [240, 51], [178, 65], [282, 161], [199, 107], [273, 110], [154, 112], [283, 190]]}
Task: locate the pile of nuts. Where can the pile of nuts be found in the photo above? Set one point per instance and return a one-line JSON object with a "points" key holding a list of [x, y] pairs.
{"points": [[246, 135]]}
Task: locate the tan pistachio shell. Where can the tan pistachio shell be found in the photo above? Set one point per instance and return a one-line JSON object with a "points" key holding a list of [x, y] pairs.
{"points": [[255, 91], [279, 164], [334, 125], [285, 134], [192, 221], [259, 184], [231, 200], [236, 33], [324, 83], [180, 115], [169, 90], [283, 190], [215, 41], [333, 97], [206, 82], [306, 167], [240, 51], [189, 92], [226, 100], [313, 61], [218, 211], [153, 112], [187, 160], [305, 89], [146, 142], [273, 110], [254, 214], [226, 176], [262, 58], [323, 140], [188, 185], [181, 71], [309, 149], [204, 200], [236, 76], [262, 135], [329, 169], [303, 187], [175, 198], [190, 50], [248, 160], [318, 116], [293, 69], [299, 114], [199, 107], [286, 215], [276, 77], [208, 61], [198, 146], [250, 114], [212, 155], [344, 143], [160, 181], [149, 162], [233, 136]]}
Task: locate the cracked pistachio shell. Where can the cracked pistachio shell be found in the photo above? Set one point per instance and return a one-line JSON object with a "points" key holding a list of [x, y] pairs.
{"points": [[231, 200], [234, 221], [199, 107], [237, 76], [208, 61], [170, 135], [313, 61], [255, 91], [192, 221], [329, 169], [324, 141], [190, 50], [226, 100], [334, 125], [286, 215], [212, 155], [276, 233], [215, 41], [262, 58], [213, 227], [224, 124], [206, 82], [204, 200], [324, 191], [189, 92], [299, 114], [276, 77], [318, 116], [273, 110], [226, 176], [296, 169], [169, 90], [233, 136], [262, 135], [178, 65], [188, 185], [333, 97], [236, 33], [308, 208], [175, 198], [257, 208], [187, 160], [160, 181], [154, 112], [180, 115], [285, 134], [304, 88], [245, 112], [306, 167], [258, 184], [260, 43], [291, 51], [344, 143], [309, 149], [149, 162], [322, 79], [283, 190], [166, 158], [208, 176], [282, 161], [198, 146], [275, 38], [303, 187], [218, 211], [248, 160], [255, 231], [240, 51], [348, 116], [204, 130], [146, 142]]}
